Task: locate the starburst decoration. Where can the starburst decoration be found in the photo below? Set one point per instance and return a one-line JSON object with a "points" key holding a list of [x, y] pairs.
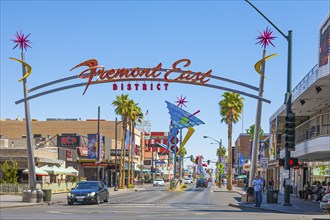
{"points": [[21, 41], [181, 101], [265, 38]]}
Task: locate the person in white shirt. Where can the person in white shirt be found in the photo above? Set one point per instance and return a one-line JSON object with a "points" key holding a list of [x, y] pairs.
{"points": [[257, 185], [225, 182]]}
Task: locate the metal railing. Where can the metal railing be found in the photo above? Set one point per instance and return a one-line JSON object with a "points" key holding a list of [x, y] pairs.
{"points": [[6, 188], [311, 77], [315, 127]]}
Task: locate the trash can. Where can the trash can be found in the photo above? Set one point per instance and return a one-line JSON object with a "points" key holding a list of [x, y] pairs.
{"points": [[39, 196], [272, 196], [47, 195]]}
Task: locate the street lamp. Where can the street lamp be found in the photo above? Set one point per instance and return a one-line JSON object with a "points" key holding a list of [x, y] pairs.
{"points": [[116, 162], [219, 157], [288, 97]]}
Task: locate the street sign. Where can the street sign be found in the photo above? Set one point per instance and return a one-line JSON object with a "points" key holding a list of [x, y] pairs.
{"points": [[286, 174], [147, 137], [264, 163]]}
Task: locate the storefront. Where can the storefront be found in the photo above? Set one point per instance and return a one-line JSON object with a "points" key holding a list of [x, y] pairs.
{"points": [[320, 172]]}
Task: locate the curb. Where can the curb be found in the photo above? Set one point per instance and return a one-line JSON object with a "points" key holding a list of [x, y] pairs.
{"points": [[230, 191], [31, 204], [257, 208]]}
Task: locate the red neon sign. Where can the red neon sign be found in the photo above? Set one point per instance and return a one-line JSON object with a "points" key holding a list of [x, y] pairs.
{"points": [[112, 75]]}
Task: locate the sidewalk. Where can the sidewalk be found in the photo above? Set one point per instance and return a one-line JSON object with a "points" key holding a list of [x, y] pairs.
{"points": [[299, 206], [13, 201]]}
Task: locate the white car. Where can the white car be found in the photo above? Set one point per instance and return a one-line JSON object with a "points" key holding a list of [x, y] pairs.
{"points": [[188, 180], [159, 182], [325, 202]]}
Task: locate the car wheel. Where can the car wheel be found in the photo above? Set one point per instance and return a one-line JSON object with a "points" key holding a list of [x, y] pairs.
{"points": [[70, 203], [106, 198], [98, 201]]}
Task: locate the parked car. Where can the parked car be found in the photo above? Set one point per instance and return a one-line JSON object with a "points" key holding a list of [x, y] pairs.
{"points": [[188, 180], [201, 182], [159, 182], [88, 192], [325, 202]]}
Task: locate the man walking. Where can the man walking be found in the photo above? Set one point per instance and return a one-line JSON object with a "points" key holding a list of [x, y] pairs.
{"points": [[258, 185]]}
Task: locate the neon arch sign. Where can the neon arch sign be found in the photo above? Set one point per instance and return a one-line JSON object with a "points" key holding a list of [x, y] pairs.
{"points": [[96, 74]]}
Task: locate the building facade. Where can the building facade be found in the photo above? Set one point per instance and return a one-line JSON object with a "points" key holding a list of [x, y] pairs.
{"points": [[311, 106], [71, 142]]}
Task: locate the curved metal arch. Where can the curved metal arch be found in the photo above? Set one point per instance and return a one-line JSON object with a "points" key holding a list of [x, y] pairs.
{"points": [[140, 79]]}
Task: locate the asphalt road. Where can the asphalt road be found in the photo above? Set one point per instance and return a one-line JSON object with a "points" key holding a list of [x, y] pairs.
{"points": [[153, 203]]}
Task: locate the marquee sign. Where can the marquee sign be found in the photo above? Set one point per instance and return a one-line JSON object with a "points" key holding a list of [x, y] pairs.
{"points": [[94, 73]]}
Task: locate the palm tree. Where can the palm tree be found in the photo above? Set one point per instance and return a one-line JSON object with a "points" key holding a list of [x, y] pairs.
{"points": [[121, 104], [223, 152], [231, 107], [133, 111], [251, 132], [137, 116]]}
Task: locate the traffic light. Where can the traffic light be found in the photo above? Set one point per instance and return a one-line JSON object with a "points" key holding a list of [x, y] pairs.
{"points": [[281, 162], [293, 162], [208, 162], [290, 132], [191, 158]]}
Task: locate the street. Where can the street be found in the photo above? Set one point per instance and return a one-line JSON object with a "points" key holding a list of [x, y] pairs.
{"points": [[153, 203]]}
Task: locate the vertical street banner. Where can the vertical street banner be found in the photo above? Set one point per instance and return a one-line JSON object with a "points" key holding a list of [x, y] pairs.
{"points": [[93, 149], [92, 143], [128, 139], [100, 150]]}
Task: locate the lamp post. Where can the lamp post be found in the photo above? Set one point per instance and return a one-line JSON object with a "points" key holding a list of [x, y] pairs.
{"points": [[22, 41], [116, 161], [219, 157], [288, 97]]}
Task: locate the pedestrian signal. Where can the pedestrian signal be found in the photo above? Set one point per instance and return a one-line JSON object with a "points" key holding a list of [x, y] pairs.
{"points": [[281, 162], [293, 162]]}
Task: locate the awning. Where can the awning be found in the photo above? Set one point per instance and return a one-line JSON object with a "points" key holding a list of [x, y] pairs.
{"points": [[60, 170], [50, 170], [241, 177], [39, 172], [71, 171], [146, 171]]}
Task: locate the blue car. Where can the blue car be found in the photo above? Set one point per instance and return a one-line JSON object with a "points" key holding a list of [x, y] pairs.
{"points": [[88, 192], [201, 182]]}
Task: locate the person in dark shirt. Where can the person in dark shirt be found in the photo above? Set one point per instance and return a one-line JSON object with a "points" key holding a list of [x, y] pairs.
{"points": [[307, 189]]}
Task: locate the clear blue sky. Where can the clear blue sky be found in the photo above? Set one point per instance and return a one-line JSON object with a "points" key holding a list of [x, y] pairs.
{"points": [[217, 35]]}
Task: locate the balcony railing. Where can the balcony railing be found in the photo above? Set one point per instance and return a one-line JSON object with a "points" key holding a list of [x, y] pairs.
{"points": [[311, 77], [313, 128]]}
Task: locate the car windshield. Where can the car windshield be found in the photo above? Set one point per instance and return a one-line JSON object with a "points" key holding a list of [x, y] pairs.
{"points": [[158, 180], [87, 185]]}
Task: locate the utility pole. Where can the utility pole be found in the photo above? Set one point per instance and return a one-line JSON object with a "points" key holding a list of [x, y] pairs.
{"points": [[99, 149], [220, 155], [116, 162], [288, 97]]}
